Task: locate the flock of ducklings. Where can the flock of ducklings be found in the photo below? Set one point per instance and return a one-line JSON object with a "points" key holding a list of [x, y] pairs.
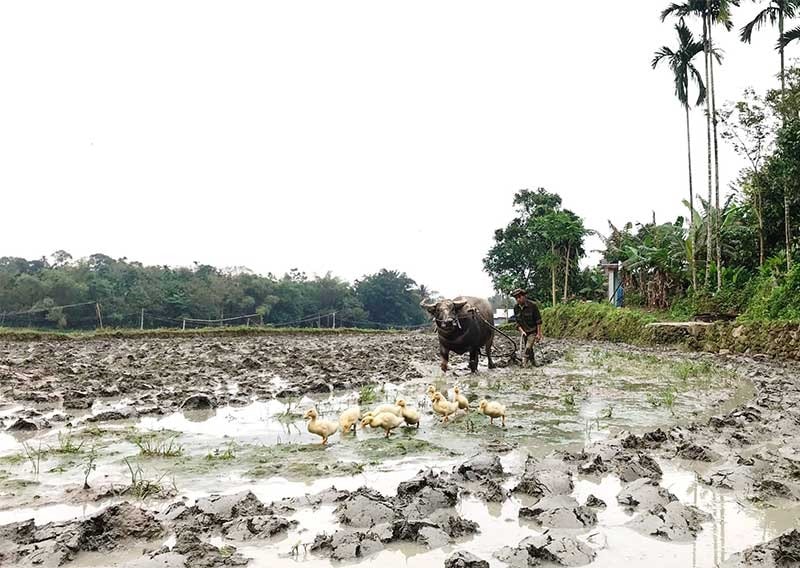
{"points": [[391, 416]]}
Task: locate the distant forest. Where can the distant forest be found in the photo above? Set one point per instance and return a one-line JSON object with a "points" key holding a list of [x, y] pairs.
{"points": [[62, 292]]}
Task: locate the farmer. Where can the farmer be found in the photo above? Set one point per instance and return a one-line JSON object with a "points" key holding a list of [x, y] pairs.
{"points": [[529, 322]]}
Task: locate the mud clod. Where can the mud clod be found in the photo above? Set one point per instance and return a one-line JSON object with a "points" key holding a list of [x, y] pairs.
{"points": [[560, 512], [347, 544], [540, 482], [365, 508], [126, 413], [562, 550], [194, 552], [696, 452], [675, 521], [199, 402], [481, 467], [260, 526], [427, 492], [595, 502], [781, 552], [23, 425], [644, 493], [463, 559], [54, 544]]}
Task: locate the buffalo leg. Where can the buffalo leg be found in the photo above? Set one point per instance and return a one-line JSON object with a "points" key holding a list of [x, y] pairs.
{"points": [[489, 351], [473, 359], [445, 354]]}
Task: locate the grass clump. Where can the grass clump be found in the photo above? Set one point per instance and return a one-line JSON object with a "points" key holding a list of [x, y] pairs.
{"points": [[66, 444], [367, 395], [218, 454], [692, 369], [155, 444], [34, 456], [142, 487]]}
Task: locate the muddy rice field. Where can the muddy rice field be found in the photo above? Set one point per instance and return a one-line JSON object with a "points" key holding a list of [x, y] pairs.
{"points": [[194, 452]]}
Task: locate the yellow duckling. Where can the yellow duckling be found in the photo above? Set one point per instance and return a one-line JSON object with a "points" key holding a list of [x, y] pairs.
{"points": [[324, 428], [443, 406], [493, 410], [390, 408], [385, 420], [462, 401], [349, 418], [431, 391], [409, 415]]}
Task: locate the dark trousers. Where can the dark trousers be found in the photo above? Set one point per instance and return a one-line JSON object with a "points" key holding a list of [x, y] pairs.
{"points": [[529, 340]]}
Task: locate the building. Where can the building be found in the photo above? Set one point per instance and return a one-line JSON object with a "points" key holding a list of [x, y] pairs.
{"points": [[502, 316]]}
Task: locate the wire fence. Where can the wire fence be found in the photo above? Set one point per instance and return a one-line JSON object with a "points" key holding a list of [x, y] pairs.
{"points": [[90, 315]]}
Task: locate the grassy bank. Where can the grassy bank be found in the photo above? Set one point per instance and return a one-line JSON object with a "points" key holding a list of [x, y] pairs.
{"points": [[596, 321], [21, 334], [604, 322]]}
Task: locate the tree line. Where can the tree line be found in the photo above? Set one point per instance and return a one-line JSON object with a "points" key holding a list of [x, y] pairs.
{"points": [[31, 292]]}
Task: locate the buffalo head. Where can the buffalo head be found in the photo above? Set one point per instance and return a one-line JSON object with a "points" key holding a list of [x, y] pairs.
{"points": [[446, 312]]}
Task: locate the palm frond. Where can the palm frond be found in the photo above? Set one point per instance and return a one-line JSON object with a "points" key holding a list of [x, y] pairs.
{"points": [[767, 14], [663, 53], [788, 37], [677, 10], [701, 87]]}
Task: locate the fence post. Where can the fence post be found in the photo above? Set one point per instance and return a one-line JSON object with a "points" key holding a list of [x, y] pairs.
{"points": [[334, 320], [141, 321], [184, 325], [99, 315]]}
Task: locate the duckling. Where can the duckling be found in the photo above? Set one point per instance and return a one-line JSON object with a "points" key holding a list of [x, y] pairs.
{"points": [[385, 420], [493, 410], [324, 428], [391, 408], [462, 401], [431, 391], [443, 406], [349, 419], [409, 415]]}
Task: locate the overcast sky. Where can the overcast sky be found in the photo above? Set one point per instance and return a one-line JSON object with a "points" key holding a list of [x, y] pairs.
{"points": [[342, 136]]}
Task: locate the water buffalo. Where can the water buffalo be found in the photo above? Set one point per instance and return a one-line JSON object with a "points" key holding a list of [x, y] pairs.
{"points": [[462, 326]]}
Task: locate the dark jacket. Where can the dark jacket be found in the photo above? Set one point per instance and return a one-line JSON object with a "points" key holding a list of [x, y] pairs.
{"points": [[528, 316]]}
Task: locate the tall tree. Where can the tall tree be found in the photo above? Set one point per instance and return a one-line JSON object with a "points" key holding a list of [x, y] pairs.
{"points": [[683, 70], [749, 126], [776, 11], [710, 12], [532, 249]]}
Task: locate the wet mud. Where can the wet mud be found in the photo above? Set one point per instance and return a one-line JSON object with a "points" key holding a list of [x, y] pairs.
{"points": [[193, 452]]}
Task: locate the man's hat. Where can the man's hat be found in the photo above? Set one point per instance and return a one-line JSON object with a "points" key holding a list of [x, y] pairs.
{"points": [[518, 292]]}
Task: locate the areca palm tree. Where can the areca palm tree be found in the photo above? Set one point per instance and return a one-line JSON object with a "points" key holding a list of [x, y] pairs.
{"points": [[683, 70], [711, 12], [776, 11]]}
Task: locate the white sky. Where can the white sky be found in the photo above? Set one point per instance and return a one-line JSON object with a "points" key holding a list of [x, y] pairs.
{"points": [[343, 136]]}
